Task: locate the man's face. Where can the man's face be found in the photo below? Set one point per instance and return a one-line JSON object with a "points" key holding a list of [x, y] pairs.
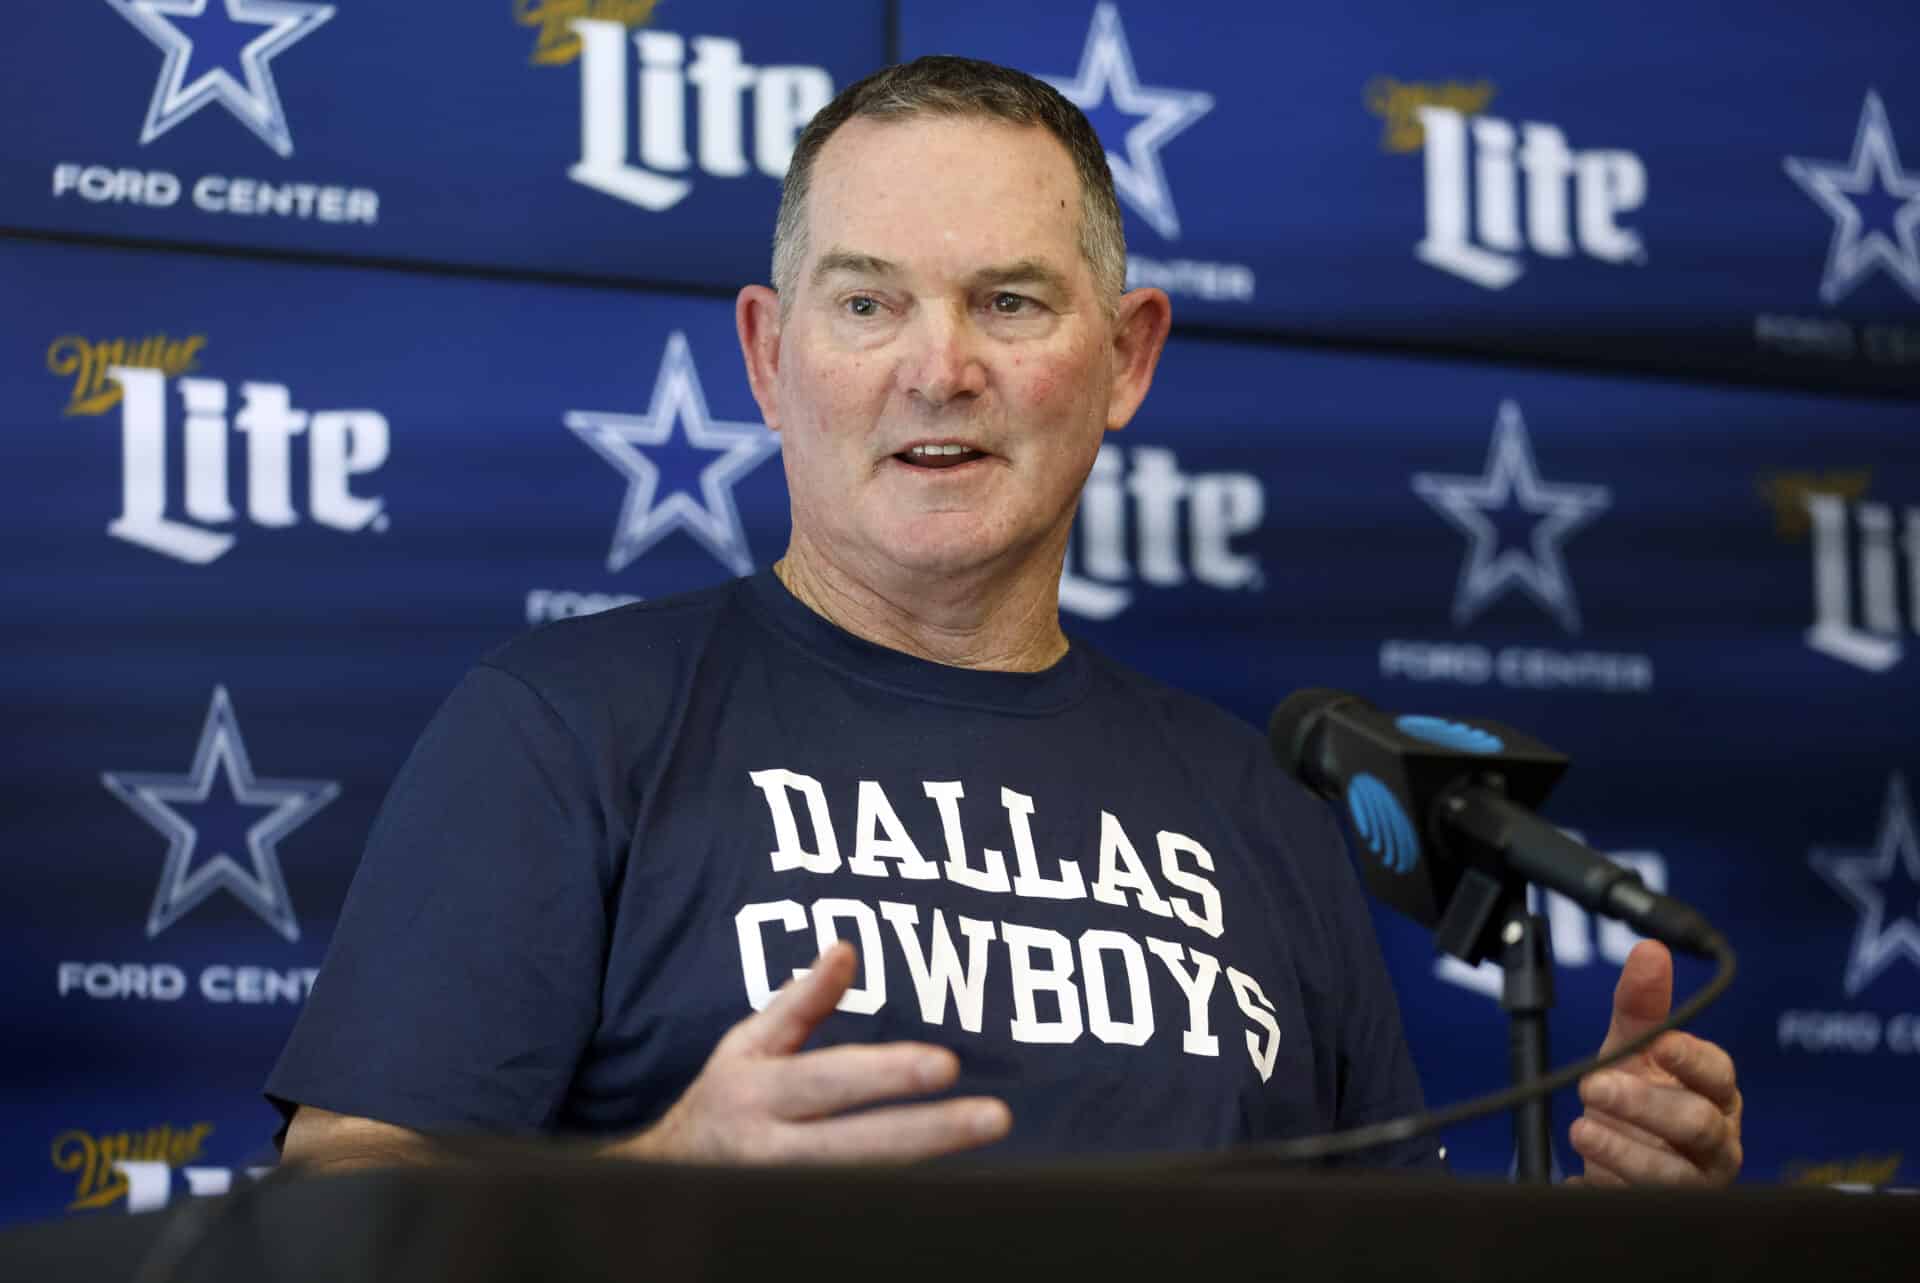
{"points": [[944, 369]]}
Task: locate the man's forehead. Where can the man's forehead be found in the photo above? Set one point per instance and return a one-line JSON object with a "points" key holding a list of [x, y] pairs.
{"points": [[888, 188], [867, 143]]}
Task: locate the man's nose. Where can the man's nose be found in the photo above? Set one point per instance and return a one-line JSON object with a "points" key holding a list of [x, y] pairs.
{"points": [[948, 363]]}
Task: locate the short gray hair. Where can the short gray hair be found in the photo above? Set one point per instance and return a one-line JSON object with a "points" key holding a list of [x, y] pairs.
{"points": [[941, 85]]}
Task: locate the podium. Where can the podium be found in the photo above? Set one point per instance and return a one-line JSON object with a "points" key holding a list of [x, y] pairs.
{"points": [[594, 1220]]}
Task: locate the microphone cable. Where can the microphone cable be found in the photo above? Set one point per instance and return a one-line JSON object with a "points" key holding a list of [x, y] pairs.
{"points": [[1411, 1126]]}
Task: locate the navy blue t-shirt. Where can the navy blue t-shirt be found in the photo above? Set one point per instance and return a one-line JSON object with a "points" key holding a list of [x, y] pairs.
{"points": [[622, 833]]}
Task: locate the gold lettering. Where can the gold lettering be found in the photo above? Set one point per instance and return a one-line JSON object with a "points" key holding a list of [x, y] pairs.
{"points": [[557, 42], [184, 1147], [1868, 1169], [76, 1152], [91, 1158], [105, 1182], [86, 363], [1398, 102], [71, 356], [1787, 493], [184, 355]]}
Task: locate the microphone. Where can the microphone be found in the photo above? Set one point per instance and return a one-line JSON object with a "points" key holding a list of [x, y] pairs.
{"points": [[1446, 807]]}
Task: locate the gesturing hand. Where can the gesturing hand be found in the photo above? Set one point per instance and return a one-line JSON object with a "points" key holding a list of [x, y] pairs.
{"points": [[1668, 1115], [760, 1099]]}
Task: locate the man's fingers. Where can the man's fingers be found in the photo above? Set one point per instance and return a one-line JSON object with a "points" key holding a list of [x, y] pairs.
{"points": [[1701, 1065], [1627, 1129], [759, 1099], [818, 1083], [1643, 995], [902, 1133], [1672, 1119], [1702, 1134], [1590, 1143], [800, 1005], [1610, 1154], [1597, 1174]]}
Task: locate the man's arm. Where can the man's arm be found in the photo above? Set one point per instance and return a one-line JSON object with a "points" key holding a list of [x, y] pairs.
{"points": [[323, 1141], [463, 977], [759, 1099]]}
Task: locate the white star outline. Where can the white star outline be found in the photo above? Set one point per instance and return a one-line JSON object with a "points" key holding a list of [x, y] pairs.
{"points": [[263, 890], [1512, 476], [714, 518], [1851, 255], [255, 104], [1858, 876], [1106, 69]]}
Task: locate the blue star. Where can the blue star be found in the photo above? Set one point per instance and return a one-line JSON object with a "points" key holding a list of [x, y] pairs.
{"points": [[1146, 118], [713, 519], [1871, 176], [234, 73], [1555, 511], [289, 803], [1866, 877]]}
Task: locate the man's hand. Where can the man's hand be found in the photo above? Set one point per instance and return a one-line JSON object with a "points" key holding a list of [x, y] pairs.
{"points": [[1669, 1115], [760, 1099]]}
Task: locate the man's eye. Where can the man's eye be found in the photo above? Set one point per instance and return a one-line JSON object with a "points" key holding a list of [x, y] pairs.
{"points": [[861, 305], [1011, 304]]}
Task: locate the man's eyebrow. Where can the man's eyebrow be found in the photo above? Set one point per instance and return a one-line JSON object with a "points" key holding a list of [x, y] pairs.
{"points": [[1025, 271], [841, 260]]}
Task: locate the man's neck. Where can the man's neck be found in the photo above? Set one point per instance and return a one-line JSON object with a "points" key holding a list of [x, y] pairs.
{"points": [[1005, 627]]}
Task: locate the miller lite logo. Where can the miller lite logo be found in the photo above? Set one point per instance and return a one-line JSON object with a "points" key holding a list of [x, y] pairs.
{"points": [[1858, 622], [1138, 513], [1495, 192], [744, 118], [341, 445]]}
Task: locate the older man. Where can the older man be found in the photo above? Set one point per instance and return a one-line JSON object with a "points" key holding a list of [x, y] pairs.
{"points": [[1090, 915]]}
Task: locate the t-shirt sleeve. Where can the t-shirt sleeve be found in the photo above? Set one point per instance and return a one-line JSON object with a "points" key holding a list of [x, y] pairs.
{"points": [[1377, 1080], [463, 979]]}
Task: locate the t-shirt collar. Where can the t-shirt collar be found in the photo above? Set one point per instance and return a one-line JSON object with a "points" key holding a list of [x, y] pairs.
{"points": [[1032, 694]]}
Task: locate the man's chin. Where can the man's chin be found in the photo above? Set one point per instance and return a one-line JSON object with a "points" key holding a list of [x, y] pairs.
{"points": [[936, 562], [953, 556]]}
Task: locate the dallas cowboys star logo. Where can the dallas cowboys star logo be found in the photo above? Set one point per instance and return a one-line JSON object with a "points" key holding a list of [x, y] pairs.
{"points": [[645, 519], [1873, 173], [221, 755], [1865, 878], [1512, 478], [1106, 75], [232, 41]]}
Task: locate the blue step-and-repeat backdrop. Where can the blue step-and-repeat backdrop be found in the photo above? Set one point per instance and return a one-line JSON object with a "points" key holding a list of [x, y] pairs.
{"points": [[1565, 372]]}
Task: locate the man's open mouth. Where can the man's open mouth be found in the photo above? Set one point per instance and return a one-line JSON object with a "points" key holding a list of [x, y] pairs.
{"points": [[950, 455]]}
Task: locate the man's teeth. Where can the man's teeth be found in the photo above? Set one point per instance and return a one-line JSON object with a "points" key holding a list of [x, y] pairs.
{"points": [[925, 450]]}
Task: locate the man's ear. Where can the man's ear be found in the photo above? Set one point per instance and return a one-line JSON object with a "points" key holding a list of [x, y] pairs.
{"points": [[1140, 326], [756, 317]]}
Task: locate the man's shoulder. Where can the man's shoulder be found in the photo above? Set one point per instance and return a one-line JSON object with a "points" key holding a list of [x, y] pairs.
{"points": [[1188, 717], [642, 644]]}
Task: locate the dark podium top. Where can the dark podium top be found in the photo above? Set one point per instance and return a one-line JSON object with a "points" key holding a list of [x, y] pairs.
{"points": [[601, 1220]]}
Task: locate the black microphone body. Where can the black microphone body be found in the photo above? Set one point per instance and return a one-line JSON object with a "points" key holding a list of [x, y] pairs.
{"points": [[1442, 802], [1539, 852]]}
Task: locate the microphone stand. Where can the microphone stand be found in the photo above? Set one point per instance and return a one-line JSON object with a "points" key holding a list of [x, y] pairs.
{"points": [[1526, 961], [1487, 917]]}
